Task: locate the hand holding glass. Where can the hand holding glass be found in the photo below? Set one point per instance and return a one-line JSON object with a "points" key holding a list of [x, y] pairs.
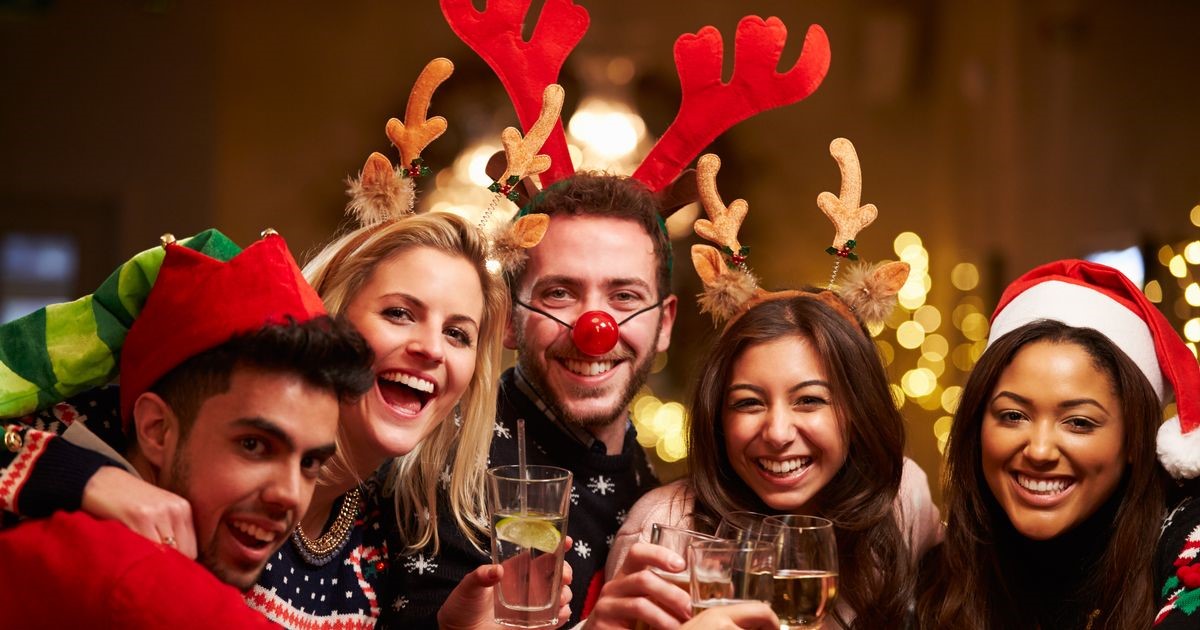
{"points": [[726, 572], [806, 569], [529, 519]]}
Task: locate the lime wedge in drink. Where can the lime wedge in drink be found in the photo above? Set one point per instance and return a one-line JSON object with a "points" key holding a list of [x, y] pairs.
{"points": [[529, 532]]}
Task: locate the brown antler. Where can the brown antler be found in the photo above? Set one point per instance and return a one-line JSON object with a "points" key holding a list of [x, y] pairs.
{"points": [[843, 210], [415, 132], [520, 152], [709, 107], [525, 68], [722, 225]]}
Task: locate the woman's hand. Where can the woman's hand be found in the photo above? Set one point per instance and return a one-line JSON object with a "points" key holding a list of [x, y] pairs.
{"points": [[161, 516], [638, 594], [746, 616], [471, 605]]}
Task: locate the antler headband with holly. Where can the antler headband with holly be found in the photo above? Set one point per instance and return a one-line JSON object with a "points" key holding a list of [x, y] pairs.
{"points": [[709, 107], [383, 192], [865, 296]]}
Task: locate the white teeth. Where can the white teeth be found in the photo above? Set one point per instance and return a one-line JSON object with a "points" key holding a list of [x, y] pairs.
{"points": [[414, 382], [254, 531], [588, 368], [784, 467], [1043, 486]]}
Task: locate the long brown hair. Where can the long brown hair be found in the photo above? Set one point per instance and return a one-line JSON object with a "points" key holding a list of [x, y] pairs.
{"points": [[876, 575], [966, 587]]}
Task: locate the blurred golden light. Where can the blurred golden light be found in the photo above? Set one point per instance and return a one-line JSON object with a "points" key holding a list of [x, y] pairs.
{"points": [[887, 353], [960, 313], [896, 317], [964, 276], [1196, 215], [941, 447], [931, 401], [874, 328], [1191, 330], [910, 335], [977, 349], [1191, 346], [1153, 291], [975, 327], [961, 357], [619, 70], [933, 363], [672, 448], [1191, 253], [905, 239], [918, 382], [897, 395], [1170, 411], [912, 298], [669, 419], [950, 398], [1182, 309], [941, 427], [1177, 266], [1165, 253], [916, 257], [1192, 294], [608, 127], [476, 159], [928, 317], [935, 344], [927, 282]]}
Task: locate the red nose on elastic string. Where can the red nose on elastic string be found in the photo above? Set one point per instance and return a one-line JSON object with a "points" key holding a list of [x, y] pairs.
{"points": [[595, 333]]}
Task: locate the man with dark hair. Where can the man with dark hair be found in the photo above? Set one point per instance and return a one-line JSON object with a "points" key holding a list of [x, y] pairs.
{"points": [[232, 376], [605, 258]]}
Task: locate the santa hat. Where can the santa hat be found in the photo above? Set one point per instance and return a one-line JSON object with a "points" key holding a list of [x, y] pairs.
{"points": [[1089, 295], [199, 303]]}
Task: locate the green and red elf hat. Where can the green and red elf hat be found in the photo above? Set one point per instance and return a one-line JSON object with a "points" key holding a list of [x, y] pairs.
{"points": [[199, 302], [1090, 295], [63, 349]]}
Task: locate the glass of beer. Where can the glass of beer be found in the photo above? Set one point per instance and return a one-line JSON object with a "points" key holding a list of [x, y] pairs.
{"points": [[726, 572], [528, 510], [806, 569]]}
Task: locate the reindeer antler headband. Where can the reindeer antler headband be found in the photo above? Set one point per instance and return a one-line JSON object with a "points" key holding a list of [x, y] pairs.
{"points": [[730, 289], [383, 193], [709, 106]]}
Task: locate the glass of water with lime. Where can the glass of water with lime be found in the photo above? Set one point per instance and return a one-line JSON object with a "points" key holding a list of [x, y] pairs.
{"points": [[528, 509]]}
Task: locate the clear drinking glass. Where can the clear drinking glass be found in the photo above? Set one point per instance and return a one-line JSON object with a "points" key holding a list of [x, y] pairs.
{"points": [[676, 539], [529, 520], [726, 572], [806, 569], [740, 526]]}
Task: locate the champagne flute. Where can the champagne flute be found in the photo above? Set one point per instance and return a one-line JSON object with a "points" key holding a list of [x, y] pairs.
{"points": [[806, 569]]}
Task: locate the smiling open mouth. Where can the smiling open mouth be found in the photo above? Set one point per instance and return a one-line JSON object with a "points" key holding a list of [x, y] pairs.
{"points": [[251, 535], [1044, 487], [784, 468], [406, 392], [588, 368]]}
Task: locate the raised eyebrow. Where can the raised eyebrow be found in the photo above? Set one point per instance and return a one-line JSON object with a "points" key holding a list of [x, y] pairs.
{"points": [[809, 383], [1079, 402], [1015, 397], [755, 389], [263, 425], [414, 300], [321, 452]]}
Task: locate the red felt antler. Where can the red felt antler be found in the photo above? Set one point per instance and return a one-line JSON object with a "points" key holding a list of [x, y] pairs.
{"points": [[525, 68], [709, 107]]}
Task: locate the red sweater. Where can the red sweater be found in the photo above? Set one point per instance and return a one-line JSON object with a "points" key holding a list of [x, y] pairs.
{"points": [[72, 570]]}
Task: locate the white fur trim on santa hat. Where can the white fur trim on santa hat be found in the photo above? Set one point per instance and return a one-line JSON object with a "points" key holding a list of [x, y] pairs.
{"points": [[1178, 452], [1084, 307]]}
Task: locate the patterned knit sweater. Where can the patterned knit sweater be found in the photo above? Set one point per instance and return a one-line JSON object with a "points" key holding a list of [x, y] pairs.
{"points": [[605, 487], [1177, 568]]}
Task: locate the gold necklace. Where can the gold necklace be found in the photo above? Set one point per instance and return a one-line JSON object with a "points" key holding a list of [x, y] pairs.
{"points": [[320, 551]]}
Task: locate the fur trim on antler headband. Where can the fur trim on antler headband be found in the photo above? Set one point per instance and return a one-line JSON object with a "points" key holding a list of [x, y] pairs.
{"points": [[380, 192], [870, 290]]}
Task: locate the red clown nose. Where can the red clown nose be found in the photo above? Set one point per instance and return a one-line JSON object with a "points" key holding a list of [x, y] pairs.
{"points": [[595, 333]]}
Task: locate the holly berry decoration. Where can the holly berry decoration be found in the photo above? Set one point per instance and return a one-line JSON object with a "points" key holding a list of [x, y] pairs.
{"points": [[508, 188], [845, 251], [595, 333], [416, 169], [735, 259]]}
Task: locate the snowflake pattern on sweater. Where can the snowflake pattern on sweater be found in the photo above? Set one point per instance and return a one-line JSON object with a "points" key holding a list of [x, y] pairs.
{"points": [[605, 487]]}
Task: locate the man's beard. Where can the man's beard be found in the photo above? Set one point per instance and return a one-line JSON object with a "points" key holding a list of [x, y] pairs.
{"points": [[536, 373], [177, 481]]}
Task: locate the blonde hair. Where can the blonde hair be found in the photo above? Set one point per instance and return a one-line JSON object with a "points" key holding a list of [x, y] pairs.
{"points": [[338, 272]]}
